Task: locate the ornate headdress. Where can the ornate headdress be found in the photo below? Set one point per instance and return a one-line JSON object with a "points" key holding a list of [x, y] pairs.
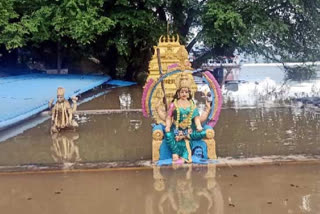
{"points": [[60, 91], [183, 81]]}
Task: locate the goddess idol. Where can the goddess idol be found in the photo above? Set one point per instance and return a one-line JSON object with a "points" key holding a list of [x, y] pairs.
{"points": [[183, 125], [181, 133]]}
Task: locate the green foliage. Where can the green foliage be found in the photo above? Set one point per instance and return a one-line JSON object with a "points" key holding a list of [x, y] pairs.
{"points": [[6, 12], [133, 28], [37, 21], [283, 30], [279, 30], [10, 34], [223, 25], [136, 30], [121, 33]]}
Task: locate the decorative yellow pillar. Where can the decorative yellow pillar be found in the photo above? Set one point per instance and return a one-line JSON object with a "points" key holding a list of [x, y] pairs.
{"points": [[173, 56]]}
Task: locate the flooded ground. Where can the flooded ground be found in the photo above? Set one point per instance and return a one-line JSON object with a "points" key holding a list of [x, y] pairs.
{"points": [[267, 131], [265, 126], [271, 189], [115, 98], [126, 136], [99, 138]]}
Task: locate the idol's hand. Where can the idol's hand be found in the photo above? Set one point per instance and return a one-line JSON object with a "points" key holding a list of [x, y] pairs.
{"points": [[208, 104], [199, 128], [167, 129], [74, 99]]}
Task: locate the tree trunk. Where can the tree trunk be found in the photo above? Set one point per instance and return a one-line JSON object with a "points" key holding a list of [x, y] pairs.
{"points": [[225, 76], [129, 72], [110, 61], [8, 59], [191, 44], [59, 57]]}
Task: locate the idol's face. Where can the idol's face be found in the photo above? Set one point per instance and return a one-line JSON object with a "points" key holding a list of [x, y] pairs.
{"points": [[198, 152], [60, 98], [184, 93]]}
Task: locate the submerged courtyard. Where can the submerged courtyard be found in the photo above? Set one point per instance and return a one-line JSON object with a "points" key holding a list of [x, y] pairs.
{"points": [[180, 106], [268, 159]]}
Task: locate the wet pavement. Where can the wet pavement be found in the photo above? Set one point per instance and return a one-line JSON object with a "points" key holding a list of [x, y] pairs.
{"points": [[210, 189]]}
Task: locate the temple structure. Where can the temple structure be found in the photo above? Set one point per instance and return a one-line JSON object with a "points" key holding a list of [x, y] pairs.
{"points": [[173, 56], [176, 68]]}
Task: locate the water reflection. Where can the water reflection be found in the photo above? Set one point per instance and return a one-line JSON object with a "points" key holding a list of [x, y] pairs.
{"points": [[65, 148], [245, 190], [135, 125], [185, 189], [125, 100]]}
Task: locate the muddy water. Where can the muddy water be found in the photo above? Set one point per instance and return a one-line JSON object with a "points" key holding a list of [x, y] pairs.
{"points": [[271, 189], [112, 137], [127, 136], [123, 98], [267, 131]]}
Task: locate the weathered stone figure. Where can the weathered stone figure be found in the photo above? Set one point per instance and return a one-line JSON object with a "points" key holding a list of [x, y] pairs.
{"points": [[62, 112]]}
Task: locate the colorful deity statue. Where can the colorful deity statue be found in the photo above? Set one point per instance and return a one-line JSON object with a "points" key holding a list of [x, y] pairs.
{"points": [[62, 112], [183, 125], [181, 133]]}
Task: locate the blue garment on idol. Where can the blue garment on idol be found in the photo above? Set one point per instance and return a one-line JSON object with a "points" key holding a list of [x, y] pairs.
{"points": [[180, 147]]}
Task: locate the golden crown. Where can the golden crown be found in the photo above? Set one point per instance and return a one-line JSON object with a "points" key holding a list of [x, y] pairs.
{"points": [[169, 39], [60, 91], [183, 81]]}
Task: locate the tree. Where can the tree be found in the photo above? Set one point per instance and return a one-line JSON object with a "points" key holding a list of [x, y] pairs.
{"points": [[136, 30], [279, 30], [121, 33], [58, 24]]}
